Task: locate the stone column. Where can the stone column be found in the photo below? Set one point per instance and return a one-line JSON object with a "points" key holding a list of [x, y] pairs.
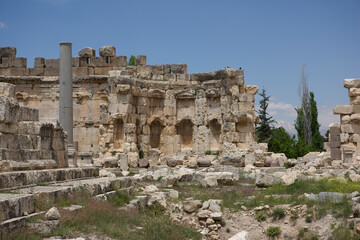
{"points": [[66, 90]]}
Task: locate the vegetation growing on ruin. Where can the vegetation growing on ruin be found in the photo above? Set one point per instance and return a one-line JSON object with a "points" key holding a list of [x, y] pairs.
{"points": [[132, 61]]}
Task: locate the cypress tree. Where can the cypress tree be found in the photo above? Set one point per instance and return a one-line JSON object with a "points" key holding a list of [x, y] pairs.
{"points": [[263, 128]]}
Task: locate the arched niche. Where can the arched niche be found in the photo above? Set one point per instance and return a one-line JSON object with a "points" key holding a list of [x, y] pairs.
{"points": [[155, 133], [214, 134], [119, 134], [185, 130]]}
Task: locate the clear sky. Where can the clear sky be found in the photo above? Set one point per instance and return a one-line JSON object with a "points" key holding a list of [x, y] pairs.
{"points": [[270, 40]]}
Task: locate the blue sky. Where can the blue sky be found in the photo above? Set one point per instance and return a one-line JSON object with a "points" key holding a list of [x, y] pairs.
{"points": [[270, 40]]}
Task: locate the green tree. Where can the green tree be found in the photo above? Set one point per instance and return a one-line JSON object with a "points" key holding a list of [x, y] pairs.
{"points": [[282, 142], [263, 128], [316, 139], [132, 61]]}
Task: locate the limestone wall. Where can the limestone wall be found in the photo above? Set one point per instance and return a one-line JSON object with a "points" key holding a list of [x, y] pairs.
{"points": [[345, 137], [159, 110], [24, 141]]}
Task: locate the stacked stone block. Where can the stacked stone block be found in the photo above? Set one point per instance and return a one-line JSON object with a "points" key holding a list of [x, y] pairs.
{"points": [[349, 124], [26, 143]]}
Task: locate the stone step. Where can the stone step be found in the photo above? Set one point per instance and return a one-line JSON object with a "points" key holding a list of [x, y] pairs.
{"points": [[18, 179], [10, 227], [15, 205]]}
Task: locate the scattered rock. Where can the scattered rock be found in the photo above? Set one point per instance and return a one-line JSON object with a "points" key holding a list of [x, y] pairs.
{"points": [[171, 162], [203, 162], [106, 173], [243, 235], [191, 206], [143, 162], [150, 189], [73, 207], [52, 214]]}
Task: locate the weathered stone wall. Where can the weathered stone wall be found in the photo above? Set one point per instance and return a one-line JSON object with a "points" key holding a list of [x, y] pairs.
{"points": [[159, 110], [345, 137], [24, 141]]}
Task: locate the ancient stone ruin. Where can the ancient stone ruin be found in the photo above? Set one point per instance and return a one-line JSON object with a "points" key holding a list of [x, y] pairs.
{"points": [[155, 110], [345, 137]]}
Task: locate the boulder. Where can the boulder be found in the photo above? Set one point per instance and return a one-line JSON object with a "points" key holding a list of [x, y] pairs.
{"points": [[356, 210], [107, 51], [210, 181], [150, 189], [354, 177], [157, 199], [105, 173], [86, 52], [243, 235], [266, 180], [191, 206], [52, 214], [171, 162], [333, 197], [203, 162], [216, 216], [143, 162], [111, 162]]}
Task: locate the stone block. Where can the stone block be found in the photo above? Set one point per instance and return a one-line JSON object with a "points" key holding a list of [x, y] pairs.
{"points": [[76, 62], [39, 62], [5, 62], [233, 137], [7, 90], [19, 63], [343, 109], [353, 92], [8, 52], [182, 77], [335, 144], [102, 70], [52, 62], [36, 71], [107, 51], [229, 127], [345, 119], [28, 114], [355, 100], [51, 71], [129, 128], [86, 52], [352, 83], [140, 60], [178, 68], [19, 71], [246, 97], [251, 89], [84, 62], [120, 61], [9, 110], [334, 129], [80, 71], [98, 62], [335, 154]]}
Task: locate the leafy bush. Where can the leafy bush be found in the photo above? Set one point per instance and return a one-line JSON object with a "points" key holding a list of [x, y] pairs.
{"points": [[132, 61], [273, 231], [208, 152], [278, 213]]}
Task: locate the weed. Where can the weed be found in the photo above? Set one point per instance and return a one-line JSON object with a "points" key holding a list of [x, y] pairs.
{"points": [[120, 198], [228, 230], [308, 219], [159, 178], [288, 165], [141, 154], [208, 152], [344, 232], [278, 213], [273, 231], [261, 217]]}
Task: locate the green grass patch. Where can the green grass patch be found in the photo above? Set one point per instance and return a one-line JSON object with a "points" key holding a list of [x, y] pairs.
{"points": [[106, 219]]}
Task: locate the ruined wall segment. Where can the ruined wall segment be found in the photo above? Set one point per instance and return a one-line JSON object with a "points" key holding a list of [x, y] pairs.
{"points": [[155, 110], [26, 143], [345, 137]]}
